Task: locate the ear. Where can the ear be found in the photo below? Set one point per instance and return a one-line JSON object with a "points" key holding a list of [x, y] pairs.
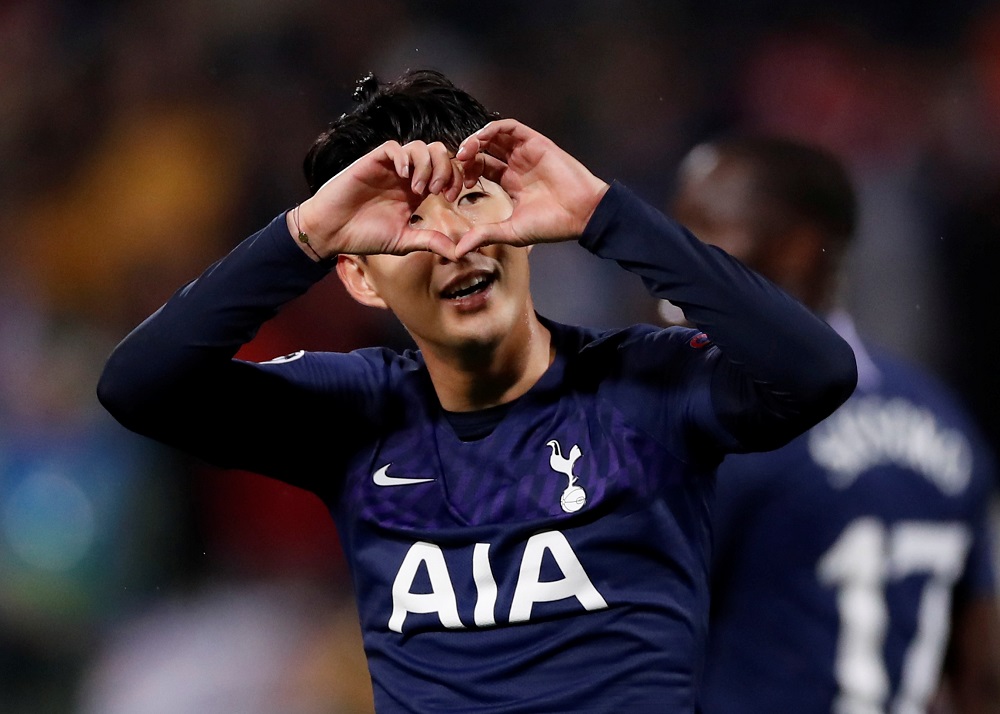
{"points": [[353, 272]]}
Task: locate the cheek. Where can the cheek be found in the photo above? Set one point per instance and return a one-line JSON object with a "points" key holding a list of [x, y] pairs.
{"points": [[398, 277], [517, 268]]}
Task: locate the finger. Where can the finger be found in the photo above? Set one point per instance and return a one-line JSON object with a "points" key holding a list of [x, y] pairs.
{"points": [[477, 165], [472, 170], [494, 138], [500, 137], [441, 167], [492, 168], [454, 187], [499, 126], [468, 149], [422, 168], [400, 159], [470, 160]]}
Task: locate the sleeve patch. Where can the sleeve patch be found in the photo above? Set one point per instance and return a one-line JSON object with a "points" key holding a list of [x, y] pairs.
{"points": [[286, 358], [699, 341]]}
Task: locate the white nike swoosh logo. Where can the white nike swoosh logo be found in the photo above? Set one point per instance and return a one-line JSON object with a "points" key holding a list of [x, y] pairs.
{"points": [[381, 478]]}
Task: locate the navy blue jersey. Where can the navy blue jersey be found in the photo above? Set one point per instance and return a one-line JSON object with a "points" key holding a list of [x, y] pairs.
{"points": [[838, 557], [559, 563]]}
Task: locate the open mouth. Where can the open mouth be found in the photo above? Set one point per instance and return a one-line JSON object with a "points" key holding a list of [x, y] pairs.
{"points": [[470, 286]]}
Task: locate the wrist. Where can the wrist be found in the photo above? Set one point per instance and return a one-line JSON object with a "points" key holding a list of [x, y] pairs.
{"points": [[300, 231], [598, 189]]}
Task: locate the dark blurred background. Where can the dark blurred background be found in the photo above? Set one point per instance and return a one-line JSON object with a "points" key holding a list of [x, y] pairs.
{"points": [[140, 140]]}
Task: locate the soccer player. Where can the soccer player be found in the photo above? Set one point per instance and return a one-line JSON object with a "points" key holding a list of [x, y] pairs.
{"points": [[523, 505], [841, 558]]}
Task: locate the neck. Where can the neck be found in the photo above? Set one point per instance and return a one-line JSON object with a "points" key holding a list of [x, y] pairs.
{"points": [[476, 377]]}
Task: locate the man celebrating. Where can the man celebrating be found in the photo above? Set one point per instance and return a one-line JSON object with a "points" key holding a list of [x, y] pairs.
{"points": [[524, 505]]}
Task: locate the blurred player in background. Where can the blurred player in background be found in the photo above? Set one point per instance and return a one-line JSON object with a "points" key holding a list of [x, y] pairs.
{"points": [[523, 504], [851, 564]]}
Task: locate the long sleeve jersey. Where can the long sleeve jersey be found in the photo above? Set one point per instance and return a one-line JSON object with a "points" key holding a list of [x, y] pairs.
{"points": [[841, 558], [559, 563]]}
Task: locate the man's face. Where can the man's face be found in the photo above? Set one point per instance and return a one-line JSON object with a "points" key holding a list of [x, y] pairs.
{"points": [[474, 302], [714, 202]]}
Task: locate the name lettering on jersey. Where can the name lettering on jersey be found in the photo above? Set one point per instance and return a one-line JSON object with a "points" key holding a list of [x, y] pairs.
{"points": [[574, 497], [528, 590], [870, 431]]}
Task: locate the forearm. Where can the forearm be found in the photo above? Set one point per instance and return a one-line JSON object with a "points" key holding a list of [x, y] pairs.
{"points": [[795, 363], [175, 352]]}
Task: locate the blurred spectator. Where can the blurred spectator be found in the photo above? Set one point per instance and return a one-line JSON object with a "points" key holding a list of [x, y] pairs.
{"points": [[266, 649]]}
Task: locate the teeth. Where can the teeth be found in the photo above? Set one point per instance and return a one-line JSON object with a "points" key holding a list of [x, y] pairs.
{"points": [[466, 286], [469, 283]]}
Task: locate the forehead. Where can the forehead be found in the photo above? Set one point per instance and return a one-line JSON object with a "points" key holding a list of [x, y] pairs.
{"points": [[713, 186]]}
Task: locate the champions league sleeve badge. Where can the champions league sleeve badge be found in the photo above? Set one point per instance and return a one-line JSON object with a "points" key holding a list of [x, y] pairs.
{"points": [[700, 340]]}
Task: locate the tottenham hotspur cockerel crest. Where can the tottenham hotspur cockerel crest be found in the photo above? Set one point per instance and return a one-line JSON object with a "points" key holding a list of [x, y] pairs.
{"points": [[574, 497]]}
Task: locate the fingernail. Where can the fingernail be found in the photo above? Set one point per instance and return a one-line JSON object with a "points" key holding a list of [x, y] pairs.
{"points": [[418, 186], [436, 185]]}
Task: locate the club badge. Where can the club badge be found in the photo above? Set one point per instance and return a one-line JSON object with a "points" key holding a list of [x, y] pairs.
{"points": [[574, 497]]}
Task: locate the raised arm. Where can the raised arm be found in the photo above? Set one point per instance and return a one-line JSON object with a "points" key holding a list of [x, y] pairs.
{"points": [[783, 368], [175, 379]]}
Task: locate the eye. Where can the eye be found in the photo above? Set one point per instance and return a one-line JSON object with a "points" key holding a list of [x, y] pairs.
{"points": [[471, 198]]}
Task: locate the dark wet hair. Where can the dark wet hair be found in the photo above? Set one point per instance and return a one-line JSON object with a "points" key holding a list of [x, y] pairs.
{"points": [[422, 104], [799, 181]]}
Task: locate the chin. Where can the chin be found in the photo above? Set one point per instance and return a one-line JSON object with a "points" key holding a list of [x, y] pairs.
{"points": [[481, 331], [478, 341], [475, 336]]}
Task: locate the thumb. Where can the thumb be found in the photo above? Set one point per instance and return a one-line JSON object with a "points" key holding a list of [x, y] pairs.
{"points": [[483, 234], [435, 242]]}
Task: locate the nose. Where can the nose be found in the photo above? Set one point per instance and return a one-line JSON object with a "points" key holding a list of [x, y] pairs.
{"points": [[446, 219], [439, 214]]}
